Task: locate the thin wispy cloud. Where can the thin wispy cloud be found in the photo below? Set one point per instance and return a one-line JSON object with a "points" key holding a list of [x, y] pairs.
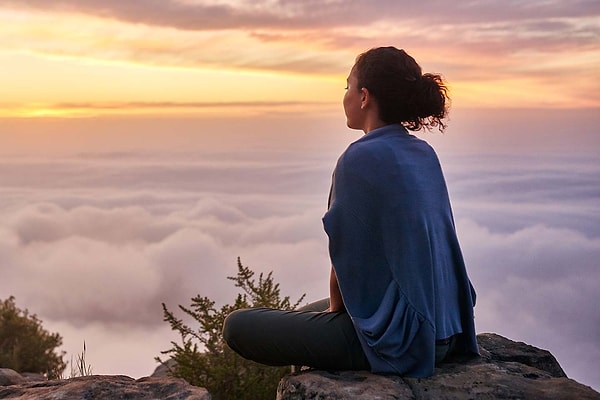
{"points": [[484, 27], [82, 109], [306, 15]]}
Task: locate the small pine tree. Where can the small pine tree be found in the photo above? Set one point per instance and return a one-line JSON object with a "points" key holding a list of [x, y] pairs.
{"points": [[203, 359], [25, 346]]}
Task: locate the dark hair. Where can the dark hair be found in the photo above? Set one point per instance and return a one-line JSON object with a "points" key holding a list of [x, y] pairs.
{"points": [[404, 95]]}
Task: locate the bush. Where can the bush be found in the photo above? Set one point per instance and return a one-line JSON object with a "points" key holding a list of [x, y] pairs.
{"points": [[25, 346], [203, 359]]}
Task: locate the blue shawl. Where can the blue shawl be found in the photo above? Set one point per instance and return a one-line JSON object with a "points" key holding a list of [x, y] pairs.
{"points": [[393, 245]]}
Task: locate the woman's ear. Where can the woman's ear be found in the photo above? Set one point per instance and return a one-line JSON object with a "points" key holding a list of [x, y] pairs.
{"points": [[365, 98]]}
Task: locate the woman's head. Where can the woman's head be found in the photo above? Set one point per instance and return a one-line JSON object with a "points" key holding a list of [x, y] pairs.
{"points": [[402, 92]]}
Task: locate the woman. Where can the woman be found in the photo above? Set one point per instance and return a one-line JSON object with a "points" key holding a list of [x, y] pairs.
{"points": [[400, 298]]}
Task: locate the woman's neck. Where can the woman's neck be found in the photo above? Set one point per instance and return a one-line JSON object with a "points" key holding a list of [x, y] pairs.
{"points": [[373, 124]]}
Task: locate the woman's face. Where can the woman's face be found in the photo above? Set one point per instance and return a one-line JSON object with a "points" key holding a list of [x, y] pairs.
{"points": [[352, 103]]}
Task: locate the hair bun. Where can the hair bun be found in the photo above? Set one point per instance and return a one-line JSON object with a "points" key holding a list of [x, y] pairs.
{"points": [[404, 94]]}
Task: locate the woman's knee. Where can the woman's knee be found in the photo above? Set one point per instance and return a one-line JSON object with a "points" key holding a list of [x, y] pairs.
{"points": [[233, 326]]}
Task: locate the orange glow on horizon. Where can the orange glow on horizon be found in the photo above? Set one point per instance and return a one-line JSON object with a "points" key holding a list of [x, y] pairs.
{"points": [[240, 109]]}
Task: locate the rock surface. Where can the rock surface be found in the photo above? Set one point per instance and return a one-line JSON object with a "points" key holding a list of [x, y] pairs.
{"points": [[163, 369], [10, 377], [505, 370], [104, 387]]}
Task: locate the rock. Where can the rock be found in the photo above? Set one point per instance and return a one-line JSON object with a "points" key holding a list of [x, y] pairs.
{"points": [[342, 385], [505, 370], [9, 377], [33, 377], [502, 349], [102, 387], [163, 369]]}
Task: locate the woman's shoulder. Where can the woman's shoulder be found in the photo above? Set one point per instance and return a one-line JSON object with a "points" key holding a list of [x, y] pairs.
{"points": [[361, 154], [383, 145]]}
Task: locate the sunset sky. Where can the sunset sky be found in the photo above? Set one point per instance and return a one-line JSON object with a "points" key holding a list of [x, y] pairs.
{"points": [[146, 144], [72, 58]]}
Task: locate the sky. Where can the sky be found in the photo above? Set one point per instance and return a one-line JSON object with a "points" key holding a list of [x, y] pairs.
{"points": [[145, 145]]}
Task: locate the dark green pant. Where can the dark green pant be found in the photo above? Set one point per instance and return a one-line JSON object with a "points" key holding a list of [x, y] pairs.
{"points": [[307, 337]]}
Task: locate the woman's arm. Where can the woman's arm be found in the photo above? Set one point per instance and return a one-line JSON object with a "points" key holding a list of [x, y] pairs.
{"points": [[336, 303]]}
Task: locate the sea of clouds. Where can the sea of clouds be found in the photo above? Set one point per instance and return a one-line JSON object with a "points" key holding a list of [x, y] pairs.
{"points": [[95, 238]]}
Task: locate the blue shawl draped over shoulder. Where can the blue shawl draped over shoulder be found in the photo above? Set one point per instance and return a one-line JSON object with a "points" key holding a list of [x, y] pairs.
{"points": [[393, 245]]}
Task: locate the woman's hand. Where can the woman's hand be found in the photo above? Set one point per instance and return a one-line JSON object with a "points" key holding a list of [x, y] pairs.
{"points": [[336, 302]]}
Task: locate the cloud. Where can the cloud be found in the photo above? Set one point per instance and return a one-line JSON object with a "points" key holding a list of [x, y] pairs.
{"points": [[538, 285], [85, 281], [113, 235], [89, 109], [304, 15], [88, 265], [560, 191], [527, 218], [49, 223], [310, 37], [178, 105]]}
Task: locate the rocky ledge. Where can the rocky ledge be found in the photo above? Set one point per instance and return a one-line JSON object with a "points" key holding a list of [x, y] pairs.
{"points": [[505, 370], [98, 387]]}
